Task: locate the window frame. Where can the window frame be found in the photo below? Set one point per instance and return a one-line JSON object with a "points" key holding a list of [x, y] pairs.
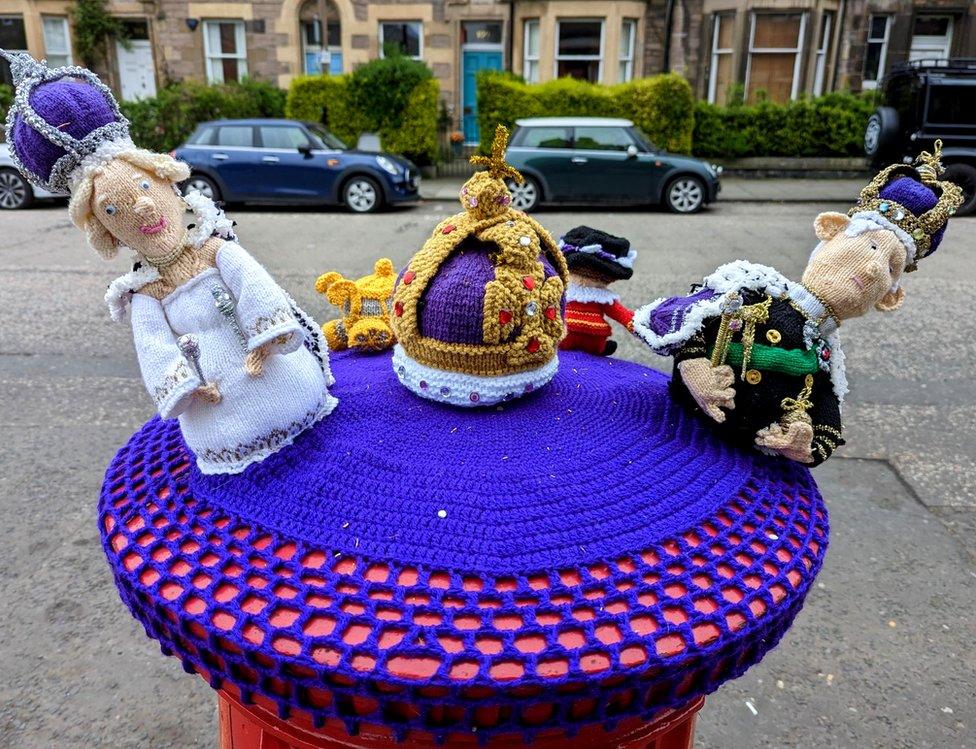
{"points": [[627, 61], [796, 51], [603, 34], [717, 19], [23, 23], [211, 57], [420, 37], [66, 29], [872, 83], [821, 53], [950, 30], [254, 138], [527, 57]]}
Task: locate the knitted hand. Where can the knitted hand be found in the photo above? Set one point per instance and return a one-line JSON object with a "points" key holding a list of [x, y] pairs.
{"points": [[254, 361], [794, 441], [209, 393], [710, 386]]}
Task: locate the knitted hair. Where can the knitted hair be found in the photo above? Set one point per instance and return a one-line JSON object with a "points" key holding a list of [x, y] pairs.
{"points": [[478, 311]]}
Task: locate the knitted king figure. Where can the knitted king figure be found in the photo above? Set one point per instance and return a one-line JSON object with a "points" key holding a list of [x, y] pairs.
{"points": [[595, 260], [478, 311], [220, 345], [760, 354]]}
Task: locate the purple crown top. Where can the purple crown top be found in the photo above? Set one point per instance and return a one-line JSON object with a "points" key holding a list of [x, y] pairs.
{"points": [[917, 198], [59, 117]]}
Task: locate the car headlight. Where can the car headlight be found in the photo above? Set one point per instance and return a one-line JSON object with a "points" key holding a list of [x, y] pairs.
{"points": [[715, 169], [388, 165]]}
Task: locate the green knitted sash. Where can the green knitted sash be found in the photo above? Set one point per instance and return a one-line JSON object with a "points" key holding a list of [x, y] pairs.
{"points": [[792, 361]]}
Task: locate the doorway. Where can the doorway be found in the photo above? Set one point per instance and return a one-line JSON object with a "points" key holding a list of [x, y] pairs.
{"points": [[137, 68], [481, 49]]}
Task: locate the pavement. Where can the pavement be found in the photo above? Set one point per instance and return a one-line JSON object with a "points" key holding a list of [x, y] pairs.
{"points": [[881, 655], [734, 190]]}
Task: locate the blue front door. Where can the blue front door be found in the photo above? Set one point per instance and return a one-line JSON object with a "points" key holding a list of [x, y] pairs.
{"points": [[473, 61]]}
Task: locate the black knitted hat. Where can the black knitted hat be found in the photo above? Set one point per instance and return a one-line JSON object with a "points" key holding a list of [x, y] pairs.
{"points": [[586, 248]]}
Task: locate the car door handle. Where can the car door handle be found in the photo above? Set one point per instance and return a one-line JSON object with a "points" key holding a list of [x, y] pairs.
{"points": [[271, 159], [220, 156], [579, 159]]}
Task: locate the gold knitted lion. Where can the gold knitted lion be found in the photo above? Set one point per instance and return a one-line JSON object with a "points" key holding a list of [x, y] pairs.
{"points": [[365, 305]]}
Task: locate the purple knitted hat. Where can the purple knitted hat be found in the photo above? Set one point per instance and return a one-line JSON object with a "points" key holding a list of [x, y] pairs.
{"points": [[59, 120], [912, 202]]}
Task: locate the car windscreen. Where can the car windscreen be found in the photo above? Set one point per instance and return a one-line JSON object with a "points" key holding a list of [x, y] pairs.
{"points": [[642, 138], [952, 103], [324, 138]]}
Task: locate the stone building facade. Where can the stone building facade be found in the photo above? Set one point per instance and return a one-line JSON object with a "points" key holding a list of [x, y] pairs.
{"points": [[778, 48]]}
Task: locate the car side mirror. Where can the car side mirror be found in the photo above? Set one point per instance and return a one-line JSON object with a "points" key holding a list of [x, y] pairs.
{"points": [[632, 151], [305, 151]]}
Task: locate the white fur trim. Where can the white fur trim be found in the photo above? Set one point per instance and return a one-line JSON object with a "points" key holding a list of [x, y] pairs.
{"points": [[120, 291], [210, 219], [577, 293], [106, 152], [627, 261], [863, 221], [458, 389]]}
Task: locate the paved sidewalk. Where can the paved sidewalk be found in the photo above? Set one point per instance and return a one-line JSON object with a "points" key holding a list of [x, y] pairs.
{"points": [[734, 189]]}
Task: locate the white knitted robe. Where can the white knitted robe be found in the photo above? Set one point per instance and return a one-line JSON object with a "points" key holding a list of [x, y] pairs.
{"points": [[257, 415]]}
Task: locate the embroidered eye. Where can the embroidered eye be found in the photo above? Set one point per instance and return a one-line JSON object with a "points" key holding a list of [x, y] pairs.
{"points": [[110, 209], [144, 184], [874, 245]]}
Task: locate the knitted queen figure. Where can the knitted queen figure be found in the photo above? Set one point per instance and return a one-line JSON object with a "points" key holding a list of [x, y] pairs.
{"points": [[760, 354], [478, 311], [221, 346]]}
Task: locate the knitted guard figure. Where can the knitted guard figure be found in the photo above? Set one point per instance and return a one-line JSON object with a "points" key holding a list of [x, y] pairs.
{"points": [[478, 312], [366, 308], [760, 354], [595, 260], [221, 346]]}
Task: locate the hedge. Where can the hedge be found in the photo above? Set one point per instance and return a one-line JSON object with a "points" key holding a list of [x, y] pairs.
{"points": [[663, 106], [830, 125], [396, 97], [6, 99], [163, 122]]}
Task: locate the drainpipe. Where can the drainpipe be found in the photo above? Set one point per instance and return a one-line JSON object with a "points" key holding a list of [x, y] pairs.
{"points": [[511, 36], [838, 43], [668, 22]]}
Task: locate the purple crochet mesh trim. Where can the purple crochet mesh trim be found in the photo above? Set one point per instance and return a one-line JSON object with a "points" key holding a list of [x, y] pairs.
{"points": [[439, 652]]}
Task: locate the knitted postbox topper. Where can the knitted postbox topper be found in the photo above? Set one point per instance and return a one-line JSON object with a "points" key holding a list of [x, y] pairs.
{"points": [[478, 312]]}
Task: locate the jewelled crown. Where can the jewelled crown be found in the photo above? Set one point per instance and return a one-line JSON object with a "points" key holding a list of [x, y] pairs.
{"points": [[478, 311], [913, 202]]}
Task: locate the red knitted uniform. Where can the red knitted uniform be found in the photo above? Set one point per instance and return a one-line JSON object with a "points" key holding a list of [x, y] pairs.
{"points": [[588, 329]]}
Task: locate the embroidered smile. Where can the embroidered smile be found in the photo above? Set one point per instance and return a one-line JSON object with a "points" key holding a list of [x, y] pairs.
{"points": [[154, 228]]}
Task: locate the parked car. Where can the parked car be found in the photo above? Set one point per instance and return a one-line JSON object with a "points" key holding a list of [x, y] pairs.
{"points": [[923, 101], [603, 160], [292, 162], [15, 191]]}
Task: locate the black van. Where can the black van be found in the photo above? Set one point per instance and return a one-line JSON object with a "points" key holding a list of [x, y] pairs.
{"points": [[923, 101]]}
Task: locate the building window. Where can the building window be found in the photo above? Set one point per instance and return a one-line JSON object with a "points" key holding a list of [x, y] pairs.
{"points": [[317, 59], [775, 46], [720, 70], [402, 38], [876, 51], [931, 39], [628, 34], [579, 50], [823, 49], [57, 44], [13, 38], [225, 50], [483, 33], [530, 51]]}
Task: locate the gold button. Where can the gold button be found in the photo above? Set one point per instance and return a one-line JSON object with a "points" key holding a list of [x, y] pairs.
{"points": [[753, 376], [808, 381], [773, 335]]}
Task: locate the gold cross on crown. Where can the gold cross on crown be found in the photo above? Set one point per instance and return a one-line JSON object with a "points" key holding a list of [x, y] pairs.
{"points": [[497, 167]]}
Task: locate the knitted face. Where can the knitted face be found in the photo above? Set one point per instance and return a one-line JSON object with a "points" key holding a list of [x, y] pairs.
{"points": [[139, 209], [852, 274]]}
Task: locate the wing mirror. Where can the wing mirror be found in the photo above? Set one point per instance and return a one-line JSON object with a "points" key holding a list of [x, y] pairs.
{"points": [[632, 151], [305, 151]]}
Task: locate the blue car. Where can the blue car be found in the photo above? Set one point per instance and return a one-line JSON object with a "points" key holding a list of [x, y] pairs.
{"points": [[291, 162]]}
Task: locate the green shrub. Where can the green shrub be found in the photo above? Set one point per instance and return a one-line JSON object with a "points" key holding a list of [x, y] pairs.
{"points": [[164, 121], [396, 97], [6, 99], [662, 106], [830, 125]]}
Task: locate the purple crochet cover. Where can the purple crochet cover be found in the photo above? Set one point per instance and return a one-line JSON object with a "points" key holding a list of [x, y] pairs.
{"points": [[602, 557]]}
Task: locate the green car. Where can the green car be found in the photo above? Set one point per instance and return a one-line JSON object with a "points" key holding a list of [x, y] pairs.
{"points": [[585, 160]]}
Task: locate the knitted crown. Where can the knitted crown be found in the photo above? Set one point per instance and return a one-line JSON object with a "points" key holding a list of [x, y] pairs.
{"points": [[587, 249], [913, 202], [478, 311], [59, 119]]}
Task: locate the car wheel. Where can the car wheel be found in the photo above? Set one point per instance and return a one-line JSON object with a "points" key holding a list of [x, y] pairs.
{"points": [[686, 194], [14, 190], [881, 133], [964, 175], [362, 195], [525, 196], [204, 185]]}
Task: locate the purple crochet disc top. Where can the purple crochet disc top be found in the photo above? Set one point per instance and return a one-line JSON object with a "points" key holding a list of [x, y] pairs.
{"points": [[587, 554]]}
